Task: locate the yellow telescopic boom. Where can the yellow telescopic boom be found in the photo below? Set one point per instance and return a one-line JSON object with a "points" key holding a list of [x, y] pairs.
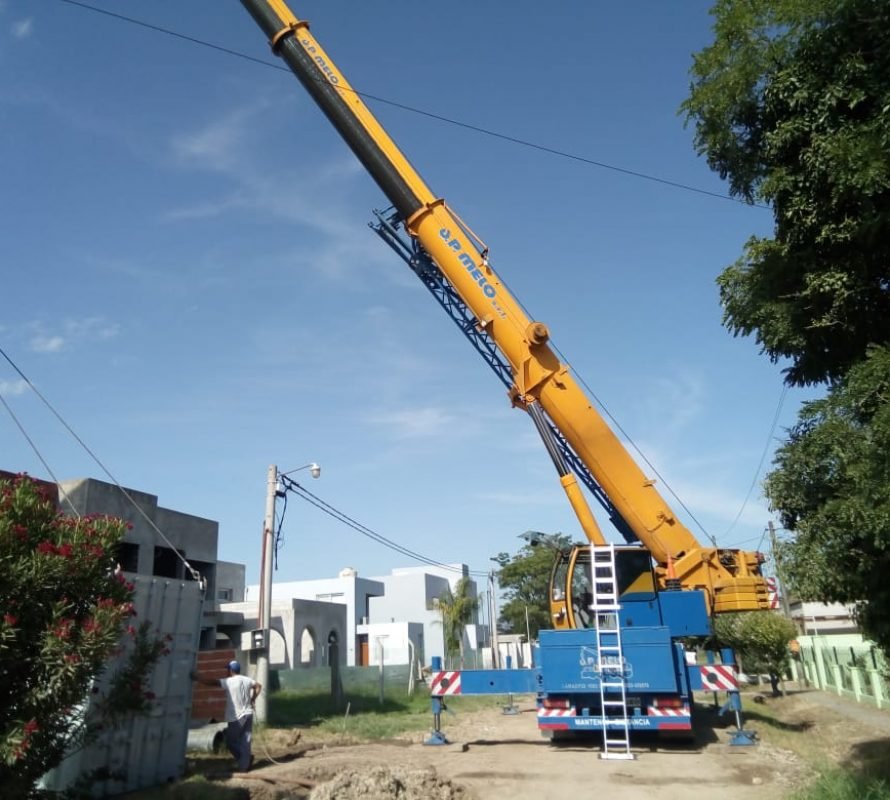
{"points": [[731, 578]]}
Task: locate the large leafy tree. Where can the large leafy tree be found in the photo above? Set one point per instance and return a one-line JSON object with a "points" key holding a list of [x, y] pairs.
{"points": [[64, 611], [831, 486], [525, 581], [791, 104]]}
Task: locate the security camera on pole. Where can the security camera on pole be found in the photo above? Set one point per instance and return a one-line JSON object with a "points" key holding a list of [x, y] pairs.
{"points": [[262, 637]]}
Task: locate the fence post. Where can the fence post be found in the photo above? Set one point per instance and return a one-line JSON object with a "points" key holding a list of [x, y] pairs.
{"points": [[877, 687], [821, 678], [380, 662], [855, 683]]}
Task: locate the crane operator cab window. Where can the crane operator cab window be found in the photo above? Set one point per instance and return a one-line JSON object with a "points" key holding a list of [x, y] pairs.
{"points": [[571, 593]]}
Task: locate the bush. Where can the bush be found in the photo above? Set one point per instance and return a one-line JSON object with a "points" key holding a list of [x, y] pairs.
{"points": [[65, 608]]}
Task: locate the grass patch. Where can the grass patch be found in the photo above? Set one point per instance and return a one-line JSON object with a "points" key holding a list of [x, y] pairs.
{"points": [[840, 785], [367, 717], [819, 741]]}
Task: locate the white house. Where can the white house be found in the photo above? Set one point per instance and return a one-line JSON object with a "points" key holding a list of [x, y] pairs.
{"points": [[347, 589], [395, 614]]}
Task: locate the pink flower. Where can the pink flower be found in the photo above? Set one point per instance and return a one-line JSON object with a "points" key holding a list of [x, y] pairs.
{"points": [[10, 619], [47, 548]]}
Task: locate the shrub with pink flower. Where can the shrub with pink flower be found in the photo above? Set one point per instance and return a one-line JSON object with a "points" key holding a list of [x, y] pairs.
{"points": [[63, 613]]}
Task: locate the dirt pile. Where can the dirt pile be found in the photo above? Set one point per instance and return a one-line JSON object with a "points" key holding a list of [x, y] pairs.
{"points": [[389, 783]]}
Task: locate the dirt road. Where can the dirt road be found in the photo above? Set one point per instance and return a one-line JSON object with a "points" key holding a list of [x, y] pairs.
{"points": [[493, 755]]}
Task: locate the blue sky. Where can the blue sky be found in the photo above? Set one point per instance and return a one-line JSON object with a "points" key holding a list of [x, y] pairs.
{"points": [[190, 280]]}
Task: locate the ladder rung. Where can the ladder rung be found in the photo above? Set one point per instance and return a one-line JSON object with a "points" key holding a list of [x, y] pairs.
{"points": [[617, 742], [613, 702], [612, 684]]}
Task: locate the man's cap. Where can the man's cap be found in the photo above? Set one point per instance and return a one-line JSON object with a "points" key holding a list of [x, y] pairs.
{"points": [[234, 666]]}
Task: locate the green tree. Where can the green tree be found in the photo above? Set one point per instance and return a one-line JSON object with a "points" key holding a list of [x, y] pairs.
{"points": [[760, 640], [791, 104], [64, 610], [525, 581], [831, 487], [458, 609]]}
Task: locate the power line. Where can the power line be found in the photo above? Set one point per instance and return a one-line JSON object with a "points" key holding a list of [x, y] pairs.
{"points": [[763, 455], [340, 516], [429, 114], [192, 571], [37, 452]]}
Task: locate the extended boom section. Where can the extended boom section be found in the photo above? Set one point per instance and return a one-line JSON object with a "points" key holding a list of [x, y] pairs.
{"points": [[540, 382]]}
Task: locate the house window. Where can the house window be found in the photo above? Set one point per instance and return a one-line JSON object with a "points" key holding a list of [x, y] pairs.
{"points": [[224, 595]]}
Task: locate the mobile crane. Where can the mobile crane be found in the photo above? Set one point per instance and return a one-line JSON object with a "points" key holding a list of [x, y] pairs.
{"points": [[618, 612]]}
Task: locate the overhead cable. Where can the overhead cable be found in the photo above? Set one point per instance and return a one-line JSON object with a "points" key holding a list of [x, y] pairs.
{"points": [[192, 571], [429, 114], [340, 516]]}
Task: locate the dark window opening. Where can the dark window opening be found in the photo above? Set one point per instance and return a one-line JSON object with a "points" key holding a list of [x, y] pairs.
{"points": [[167, 563], [128, 556]]}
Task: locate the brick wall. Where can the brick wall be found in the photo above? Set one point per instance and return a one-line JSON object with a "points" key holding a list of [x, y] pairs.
{"points": [[209, 702]]}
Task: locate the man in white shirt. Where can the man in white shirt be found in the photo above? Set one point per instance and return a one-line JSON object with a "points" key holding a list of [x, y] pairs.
{"points": [[241, 692]]}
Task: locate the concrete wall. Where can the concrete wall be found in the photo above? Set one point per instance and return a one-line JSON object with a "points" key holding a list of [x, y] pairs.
{"points": [[822, 618], [408, 595], [412, 594], [144, 551], [350, 590], [148, 750], [392, 639], [230, 583], [305, 633]]}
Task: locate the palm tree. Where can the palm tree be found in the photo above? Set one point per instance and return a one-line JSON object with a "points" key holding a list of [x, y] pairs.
{"points": [[458, 609]]}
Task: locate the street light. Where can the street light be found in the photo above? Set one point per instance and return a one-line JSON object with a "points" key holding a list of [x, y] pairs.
{"points": [[314, 470], [273, 491]]}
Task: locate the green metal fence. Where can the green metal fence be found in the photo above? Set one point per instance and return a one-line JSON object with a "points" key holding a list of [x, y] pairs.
{"points": [[846, 664]]}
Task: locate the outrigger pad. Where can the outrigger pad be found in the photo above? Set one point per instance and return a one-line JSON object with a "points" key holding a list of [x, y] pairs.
{"points": [[743, 738]]}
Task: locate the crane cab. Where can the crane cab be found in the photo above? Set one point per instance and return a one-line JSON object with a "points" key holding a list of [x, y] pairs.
{"points": [[571, 583]]}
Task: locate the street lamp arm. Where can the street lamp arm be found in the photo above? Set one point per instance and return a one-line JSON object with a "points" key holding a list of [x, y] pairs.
{"points": [[313, 468]]}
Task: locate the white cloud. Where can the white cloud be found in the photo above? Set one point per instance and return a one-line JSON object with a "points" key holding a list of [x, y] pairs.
{"points": [[416, 422], [214, 147], [70, 333], [13, 388], [676, 401], [47, 344], [23, 28], [311, 193]]}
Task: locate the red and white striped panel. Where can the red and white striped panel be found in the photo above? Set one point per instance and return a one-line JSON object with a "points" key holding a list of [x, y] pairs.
{"points": [[719, 678], [557, 712], [445, 683], [656, 711], [772, 589]]}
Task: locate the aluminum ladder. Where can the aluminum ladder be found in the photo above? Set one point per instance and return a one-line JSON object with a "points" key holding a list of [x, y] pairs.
{"points": [[610, 656]]}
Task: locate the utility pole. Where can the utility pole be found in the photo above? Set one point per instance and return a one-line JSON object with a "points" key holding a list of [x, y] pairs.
{"points": [[265, 610], [783, 587], [493, 616]]}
